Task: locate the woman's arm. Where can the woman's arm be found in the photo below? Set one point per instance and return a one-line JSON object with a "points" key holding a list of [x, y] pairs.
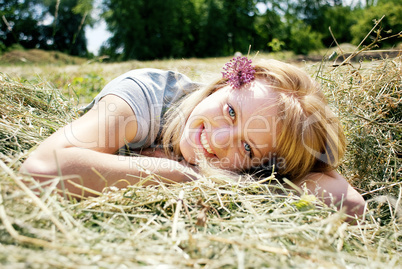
{"points": [[86, 148], [333, 188]]}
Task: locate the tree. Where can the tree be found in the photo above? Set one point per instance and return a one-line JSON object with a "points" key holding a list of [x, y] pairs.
{"points": [[340, 19], [270, 28], [240, 21], [213, 33], [305, 24], [390, 25], [19, 23], [179, 28], [27, 23], [67, 32], [151, 29], [303, 38]]}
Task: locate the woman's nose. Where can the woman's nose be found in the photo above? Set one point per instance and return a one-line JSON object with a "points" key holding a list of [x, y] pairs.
{"points": [[224, 137]]}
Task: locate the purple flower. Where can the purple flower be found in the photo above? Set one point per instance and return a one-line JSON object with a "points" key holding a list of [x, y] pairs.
{"points": [[238, 72]]}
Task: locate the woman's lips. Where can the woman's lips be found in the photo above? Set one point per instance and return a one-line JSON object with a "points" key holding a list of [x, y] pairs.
{"points": [[203, 142]]}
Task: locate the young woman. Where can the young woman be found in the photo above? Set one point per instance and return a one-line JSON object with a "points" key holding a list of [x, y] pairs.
{"points": [[254, 118]]}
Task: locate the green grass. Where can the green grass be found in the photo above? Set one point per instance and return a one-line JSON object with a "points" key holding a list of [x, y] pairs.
{"points": [[208, 223]]}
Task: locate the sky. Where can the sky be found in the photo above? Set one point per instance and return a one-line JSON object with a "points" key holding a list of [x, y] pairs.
{"points": [[96, 36]]}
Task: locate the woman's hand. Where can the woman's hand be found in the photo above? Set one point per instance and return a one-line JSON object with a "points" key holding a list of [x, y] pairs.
{"points": [[160, 153], [154, 152], [333, 188]]}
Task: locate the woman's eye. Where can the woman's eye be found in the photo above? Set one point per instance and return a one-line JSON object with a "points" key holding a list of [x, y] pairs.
{"points": [[231, 112], [247, 147]]}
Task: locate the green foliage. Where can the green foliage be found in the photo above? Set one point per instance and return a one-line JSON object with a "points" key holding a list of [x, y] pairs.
{"points": [[193, 28], [395, 2], [148, 30], [186, 28], [212, 31], [2, 47], [26, 23], [390, 25], [83, 7], [17, 47], [270, 27], [276, 44], [340, 19], [19, 23], [70, 17], [87, 86], [303, 39], [239, 17]]}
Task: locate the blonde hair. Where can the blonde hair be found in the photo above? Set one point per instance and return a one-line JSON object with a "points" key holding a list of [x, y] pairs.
{"points": [[311, 138]]}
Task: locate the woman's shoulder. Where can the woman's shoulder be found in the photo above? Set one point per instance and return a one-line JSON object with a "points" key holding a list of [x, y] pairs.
{"points": [[154, 73], [159, 79]]}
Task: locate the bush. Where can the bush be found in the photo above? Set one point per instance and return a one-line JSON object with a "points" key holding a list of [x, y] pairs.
{"points": [[2, 48], [303, 39], [390, 25], [340, 19]]}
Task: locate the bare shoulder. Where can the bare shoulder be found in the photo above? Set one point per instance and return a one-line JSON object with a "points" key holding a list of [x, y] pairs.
{"points": [[333, 188]]}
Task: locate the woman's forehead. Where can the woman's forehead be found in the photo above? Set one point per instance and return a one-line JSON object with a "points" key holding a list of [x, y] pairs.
{"points": [[257, 99], [255, 90]]}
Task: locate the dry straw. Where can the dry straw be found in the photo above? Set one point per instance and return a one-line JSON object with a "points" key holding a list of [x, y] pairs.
{"points": [[205, 223], [369, 102]]}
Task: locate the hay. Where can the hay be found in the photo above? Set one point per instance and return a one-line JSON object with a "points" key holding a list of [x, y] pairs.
{"points": [[37, 56], [368, 99], [205, 223], [29, 114]]}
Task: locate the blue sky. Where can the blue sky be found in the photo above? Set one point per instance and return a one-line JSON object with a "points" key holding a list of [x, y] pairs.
{"points": [[96, 36]]}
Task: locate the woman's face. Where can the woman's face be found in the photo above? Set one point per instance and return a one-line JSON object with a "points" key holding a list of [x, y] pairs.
{"points": [[233, 128]]}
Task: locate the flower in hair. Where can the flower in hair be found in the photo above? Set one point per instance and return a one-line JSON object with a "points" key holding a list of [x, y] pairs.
{"points": [[238, 72]]}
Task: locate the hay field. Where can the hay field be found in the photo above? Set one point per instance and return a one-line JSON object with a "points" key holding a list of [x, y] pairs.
{"points": [[207, 223]]}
